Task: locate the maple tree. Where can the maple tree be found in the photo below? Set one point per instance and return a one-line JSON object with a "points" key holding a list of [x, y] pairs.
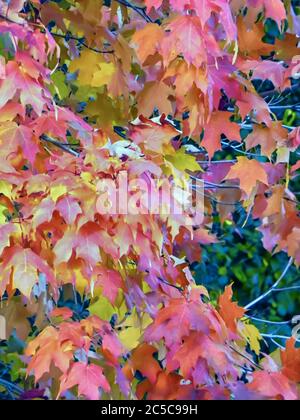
{"points": [[168, 89]]}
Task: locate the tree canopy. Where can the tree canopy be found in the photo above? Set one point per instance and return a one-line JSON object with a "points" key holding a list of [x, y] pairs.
{"points": [[190, 294]]}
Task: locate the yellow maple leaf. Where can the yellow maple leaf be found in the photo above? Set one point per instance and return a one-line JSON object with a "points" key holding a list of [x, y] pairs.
{"points": [[252, 336], [104, 75], [183, 161], [103, 309], [57, 191], [133, 329], [5, 188], [3, 211], [86, 65]]}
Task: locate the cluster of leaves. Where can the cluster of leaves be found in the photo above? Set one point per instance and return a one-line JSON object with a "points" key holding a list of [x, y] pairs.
{"points": [[106, 305]]}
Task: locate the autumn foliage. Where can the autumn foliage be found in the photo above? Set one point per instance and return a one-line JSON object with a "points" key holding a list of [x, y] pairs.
{"points": [[156, 88]]}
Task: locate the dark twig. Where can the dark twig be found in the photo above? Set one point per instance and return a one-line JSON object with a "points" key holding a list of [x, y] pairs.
{"points": [[246, 357], [65, 147], [67, 37], [180, 289], [140, 10], [81, 41], [10, 20]]}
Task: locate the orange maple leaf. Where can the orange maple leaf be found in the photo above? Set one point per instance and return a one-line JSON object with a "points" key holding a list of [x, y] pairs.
{"points": [[230, 311]]}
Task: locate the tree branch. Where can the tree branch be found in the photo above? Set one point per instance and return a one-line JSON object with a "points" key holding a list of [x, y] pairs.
{"points": [[250, 127], [10, 20], [64, 36], [273, 288], [140, 10], [246, 357], [10, 386], [81, 41], [180, 289], [287, 289], [271, 336], [65, 147], [264, 321]]}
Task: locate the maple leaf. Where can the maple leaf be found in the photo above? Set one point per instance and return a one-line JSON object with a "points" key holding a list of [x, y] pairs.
{"points": [[147, 40], [31, 92], [26, 266], [291, 361], [176, 320], [167, 387], [268, 137], [88, 378], [230, 311], [251, 40], [17, 316], [110, 280], [153, 3], [264, 70], [153, 135], [219, 124], [19, 136], [5, 233], [46, 350], [198, 61], [155, 95], [198, 354], [43, 212], [64, 313], [143, 361], [185, 37], [274, 9], [205, 8], [293, 242], [249, 173], [274, 386], [69, 209]]}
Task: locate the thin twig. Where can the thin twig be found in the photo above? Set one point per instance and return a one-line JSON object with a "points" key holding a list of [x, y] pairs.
{"points": [[265, 321], [214, 185], [140, 10], [274, 287], [63, 36], [250, 127], [9, 385], [280, 337], [180, 289], [277, 344], [10, 20], [246, 357], [287, 289], [81, 41], [62, 146], [215, 200]]}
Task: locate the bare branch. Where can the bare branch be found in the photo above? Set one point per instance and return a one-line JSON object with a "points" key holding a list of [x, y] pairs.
{"points": [[274, 336], [287, 289], [10, 20], [65, 147], [273, 288], [11, 387], [246, 357], [140, 10], [250, 127], [81, 41], [180, 289], [264, 321]]}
